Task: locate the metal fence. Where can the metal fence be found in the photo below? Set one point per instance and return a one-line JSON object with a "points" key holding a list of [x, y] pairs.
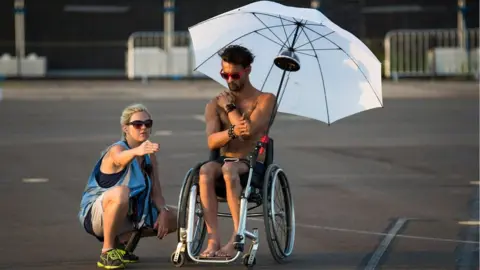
{"points": [[407, 53], [430, 52]]}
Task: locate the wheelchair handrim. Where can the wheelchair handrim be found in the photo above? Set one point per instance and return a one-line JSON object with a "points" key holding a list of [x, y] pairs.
{"points": [[274, 173], [182, 212]]}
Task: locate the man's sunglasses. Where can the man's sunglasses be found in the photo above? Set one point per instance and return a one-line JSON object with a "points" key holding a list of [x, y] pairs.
{"points": [[234, 76], [138, 124]]}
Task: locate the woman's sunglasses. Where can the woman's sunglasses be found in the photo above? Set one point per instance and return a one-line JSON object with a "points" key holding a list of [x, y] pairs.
{"points": [[138, 124]]}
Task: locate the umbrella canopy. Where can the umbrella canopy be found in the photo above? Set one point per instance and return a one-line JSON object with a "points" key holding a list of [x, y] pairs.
{"points": [[337, 74]]}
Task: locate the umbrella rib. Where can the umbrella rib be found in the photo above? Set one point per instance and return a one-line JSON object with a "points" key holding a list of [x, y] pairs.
{"points": [[355, 61], [242, 36], [235, 13], [321, 36], [267, 26], [323, 79], [325, 49], [305, 53], [266, 14], [284, 30], [316, 24], [269, 39]]}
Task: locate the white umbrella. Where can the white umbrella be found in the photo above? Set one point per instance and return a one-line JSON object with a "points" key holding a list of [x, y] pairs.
{"points": [[338, 75]]}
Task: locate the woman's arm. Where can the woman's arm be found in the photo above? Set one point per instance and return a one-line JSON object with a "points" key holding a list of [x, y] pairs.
{"points": [[120, 157], [157, 196]]}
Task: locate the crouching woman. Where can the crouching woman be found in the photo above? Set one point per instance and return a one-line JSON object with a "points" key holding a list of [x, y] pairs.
{"points": [[123, 193]]}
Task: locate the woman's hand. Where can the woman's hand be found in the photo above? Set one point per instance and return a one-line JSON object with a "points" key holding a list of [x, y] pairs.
{"points": [[147, 147], [161, 225]]}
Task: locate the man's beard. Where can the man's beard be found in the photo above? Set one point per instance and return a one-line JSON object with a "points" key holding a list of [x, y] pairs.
{"points": [[235, 87]]}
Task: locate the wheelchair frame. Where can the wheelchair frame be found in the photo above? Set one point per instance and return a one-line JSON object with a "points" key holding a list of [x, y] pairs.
{"points": [[189, 193]]}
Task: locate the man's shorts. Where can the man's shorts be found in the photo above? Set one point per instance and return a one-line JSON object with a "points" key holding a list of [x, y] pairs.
{"points": [[94, 220], [257, 176]]}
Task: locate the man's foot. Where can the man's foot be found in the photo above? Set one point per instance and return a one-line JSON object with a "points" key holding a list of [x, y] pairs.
{"points": [[212, 248], [110, 260], [226, 251]]}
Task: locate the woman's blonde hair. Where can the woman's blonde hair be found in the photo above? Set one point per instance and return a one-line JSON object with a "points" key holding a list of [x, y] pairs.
{"points": [[128, 112]]}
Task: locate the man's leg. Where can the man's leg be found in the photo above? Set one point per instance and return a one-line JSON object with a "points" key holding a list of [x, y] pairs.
{"points": [[231, 173], [209, 172]]}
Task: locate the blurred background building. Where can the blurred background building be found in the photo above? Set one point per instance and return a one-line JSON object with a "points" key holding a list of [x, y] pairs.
{"points": [[107, 38]]}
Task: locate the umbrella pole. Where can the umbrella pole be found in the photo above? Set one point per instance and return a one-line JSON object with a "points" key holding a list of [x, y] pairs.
{"points": [[277, 104], [264, 140], [239, 242], [287, 66]]}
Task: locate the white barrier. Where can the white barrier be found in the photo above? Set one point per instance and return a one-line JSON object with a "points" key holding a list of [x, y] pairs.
{"points": [[430, 52], [147, 58], [30, 66]]}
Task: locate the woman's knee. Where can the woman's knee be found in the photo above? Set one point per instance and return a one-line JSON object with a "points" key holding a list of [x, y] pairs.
{"points": [[118, 195]]}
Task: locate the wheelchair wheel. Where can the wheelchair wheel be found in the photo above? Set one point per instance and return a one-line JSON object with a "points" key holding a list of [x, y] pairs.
{"points": [[278, 213], [200, 228]]}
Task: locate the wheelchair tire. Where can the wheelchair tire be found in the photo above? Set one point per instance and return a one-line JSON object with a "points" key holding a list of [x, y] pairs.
{"points": [[188, 182], [280, 249]]}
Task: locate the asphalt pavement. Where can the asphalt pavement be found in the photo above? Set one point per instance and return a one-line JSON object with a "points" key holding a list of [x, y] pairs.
{"points": [[394, 187]]}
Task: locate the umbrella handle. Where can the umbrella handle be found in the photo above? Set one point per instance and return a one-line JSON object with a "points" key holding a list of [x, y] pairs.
{"points": [[264, 141], [259, 149]]}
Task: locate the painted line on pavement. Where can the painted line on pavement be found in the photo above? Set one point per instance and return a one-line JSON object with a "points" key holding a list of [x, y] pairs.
{"points": [[470, 222], [199, 117], [382, 248], [34, 180], [376, 176], [318, 227], [163, 133]]}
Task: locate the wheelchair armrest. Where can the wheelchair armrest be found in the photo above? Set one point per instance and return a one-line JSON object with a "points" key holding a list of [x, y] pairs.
{"points": [[269, 152]]}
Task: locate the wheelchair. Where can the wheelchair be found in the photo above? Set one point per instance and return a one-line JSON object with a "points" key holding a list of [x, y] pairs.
{"points": [[260, 191]]}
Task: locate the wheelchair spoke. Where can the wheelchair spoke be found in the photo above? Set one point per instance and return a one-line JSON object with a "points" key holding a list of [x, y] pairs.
{"points": [[280, 206]]}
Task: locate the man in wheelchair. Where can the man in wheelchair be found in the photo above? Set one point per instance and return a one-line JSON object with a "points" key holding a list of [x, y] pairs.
{"points": [[235, 121]]}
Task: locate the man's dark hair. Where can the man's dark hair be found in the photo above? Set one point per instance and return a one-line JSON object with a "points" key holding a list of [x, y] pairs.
{"points": [[237, 55]]}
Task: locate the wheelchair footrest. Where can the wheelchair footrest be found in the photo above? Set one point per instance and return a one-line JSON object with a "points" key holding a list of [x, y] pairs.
{"points": [[213, 258]]}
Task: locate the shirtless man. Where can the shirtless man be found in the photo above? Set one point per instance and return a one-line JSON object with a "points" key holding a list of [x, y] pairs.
{"points": [[235, 121]]}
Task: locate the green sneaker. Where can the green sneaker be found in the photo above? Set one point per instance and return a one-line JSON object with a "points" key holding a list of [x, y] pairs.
{"points": [[127, 257], [111, 260]]}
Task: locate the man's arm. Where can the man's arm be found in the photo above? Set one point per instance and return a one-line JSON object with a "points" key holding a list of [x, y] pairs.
{"points": [[216, 138], [234, 116], [260, 116]]}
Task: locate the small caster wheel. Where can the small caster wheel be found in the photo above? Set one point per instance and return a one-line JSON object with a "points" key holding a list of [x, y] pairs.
{"points": [[245, 261], [181, 259]]}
